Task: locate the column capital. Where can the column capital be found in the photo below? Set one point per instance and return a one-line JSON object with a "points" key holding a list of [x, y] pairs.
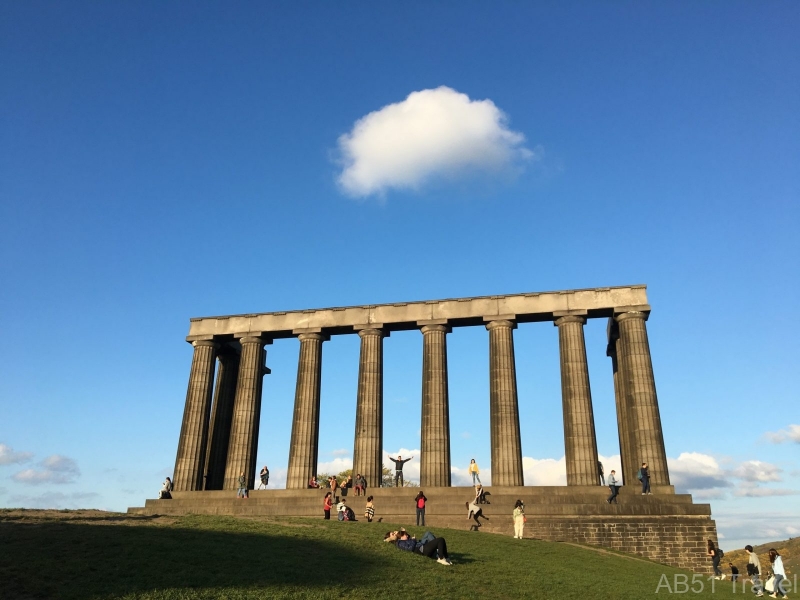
{"points": [[313, 336], [430, 328], [631, 314], [569, 319], [501, 323], [209, 343], [377, 331], [253, 339]]}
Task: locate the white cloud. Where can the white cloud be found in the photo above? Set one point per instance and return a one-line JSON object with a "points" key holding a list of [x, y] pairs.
{"points": [[432, 133], [695, 471], [340, 452], [335, 466], [757, 471], [53, 469], [9, 457], [753, 490], [544, 471], [790, 434]]}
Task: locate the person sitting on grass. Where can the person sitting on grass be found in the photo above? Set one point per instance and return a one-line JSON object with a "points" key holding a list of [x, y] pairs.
{"points": [[429, 546]]}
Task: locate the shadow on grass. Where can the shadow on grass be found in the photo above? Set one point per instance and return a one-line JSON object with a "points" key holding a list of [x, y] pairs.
{"points": [[73, 560]]}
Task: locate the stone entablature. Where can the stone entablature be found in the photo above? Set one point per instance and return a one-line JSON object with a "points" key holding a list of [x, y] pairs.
{"points": [[455, 312]]}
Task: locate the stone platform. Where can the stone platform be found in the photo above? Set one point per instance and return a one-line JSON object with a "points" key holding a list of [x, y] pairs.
{"points": [[665, 527]]}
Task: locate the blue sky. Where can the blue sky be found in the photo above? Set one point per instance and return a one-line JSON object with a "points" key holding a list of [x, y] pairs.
{"points": [[160, 162]]}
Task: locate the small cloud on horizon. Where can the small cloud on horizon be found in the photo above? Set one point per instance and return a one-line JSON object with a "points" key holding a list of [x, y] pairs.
{"points": [[9, 457], [790, 434], [431, 134], [53, 469]]}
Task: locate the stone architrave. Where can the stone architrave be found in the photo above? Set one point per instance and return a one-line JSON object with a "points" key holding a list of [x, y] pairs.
{"points": [[368, 444], [190, 459], [626, 445], [580, 441], [221, 418], [304, 446], [640, 390], [504, 408], [243, 444], [435, 430]]}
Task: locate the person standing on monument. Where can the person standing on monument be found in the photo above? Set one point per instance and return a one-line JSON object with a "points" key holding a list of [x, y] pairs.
{"points": [[327, 503], [398, 469], [242, 491], [264, 474], [474, 471], [612, 485], [601, 473], [644, 477]]}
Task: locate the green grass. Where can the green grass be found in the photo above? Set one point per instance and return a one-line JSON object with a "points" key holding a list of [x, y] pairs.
{"points": [[100, 555]]}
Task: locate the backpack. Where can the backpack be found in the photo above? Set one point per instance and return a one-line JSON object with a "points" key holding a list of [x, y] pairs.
{"points": [[639, 474], [720, 553]]}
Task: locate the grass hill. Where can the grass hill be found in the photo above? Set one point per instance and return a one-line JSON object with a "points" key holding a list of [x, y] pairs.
{"points": [[93, 554]]}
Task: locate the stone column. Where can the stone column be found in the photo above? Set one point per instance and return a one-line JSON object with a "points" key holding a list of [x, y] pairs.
{"points": [[640, 390], [190, 460], [435, 431], [627, 455], [221, 418], [580, 441], [243, 444], [368, 445], [504, 409], [305, 424]]}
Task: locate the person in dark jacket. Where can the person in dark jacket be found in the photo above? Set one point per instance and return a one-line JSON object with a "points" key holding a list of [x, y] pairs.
{"points": [[436, 547], [644, 477], [419, 502]]}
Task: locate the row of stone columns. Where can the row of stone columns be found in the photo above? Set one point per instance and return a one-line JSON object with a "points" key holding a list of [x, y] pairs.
{"points": [[222, 444]]}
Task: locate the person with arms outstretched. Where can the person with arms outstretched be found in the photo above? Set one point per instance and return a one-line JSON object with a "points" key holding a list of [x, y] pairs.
{"points": [[398, 469]]}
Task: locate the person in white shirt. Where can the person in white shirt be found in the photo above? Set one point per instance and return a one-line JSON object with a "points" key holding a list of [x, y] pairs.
{"points": [[778, 572]]}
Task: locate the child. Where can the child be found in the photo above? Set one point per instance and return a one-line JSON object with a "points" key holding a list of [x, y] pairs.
{"points": [[369, 512], [734, 572]]}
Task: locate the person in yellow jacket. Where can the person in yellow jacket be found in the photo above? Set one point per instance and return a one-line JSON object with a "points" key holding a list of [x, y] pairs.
{"points": [[473, 468]]}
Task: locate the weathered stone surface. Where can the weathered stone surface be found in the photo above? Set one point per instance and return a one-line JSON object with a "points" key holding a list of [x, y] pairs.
{"points": [[191, 456], [435, 430], [640, 390], [368, 445], [246, 415], [580, 442], [459, 312], [503, 405], [221, 418], [304, 448]]}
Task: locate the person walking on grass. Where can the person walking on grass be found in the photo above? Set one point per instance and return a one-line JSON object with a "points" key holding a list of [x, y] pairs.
{"points": [[327, 504], [474, 512], [474, 471], [716, 555], [242, 491], [519, 519], [398, 469], [734, 572], [644, 476], [754, 571], [369, 511], [420, 501], [612, 485], [778, 573]]}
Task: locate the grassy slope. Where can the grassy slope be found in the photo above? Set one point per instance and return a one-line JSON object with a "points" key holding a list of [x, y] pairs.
{"points": [[59, 554]]}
